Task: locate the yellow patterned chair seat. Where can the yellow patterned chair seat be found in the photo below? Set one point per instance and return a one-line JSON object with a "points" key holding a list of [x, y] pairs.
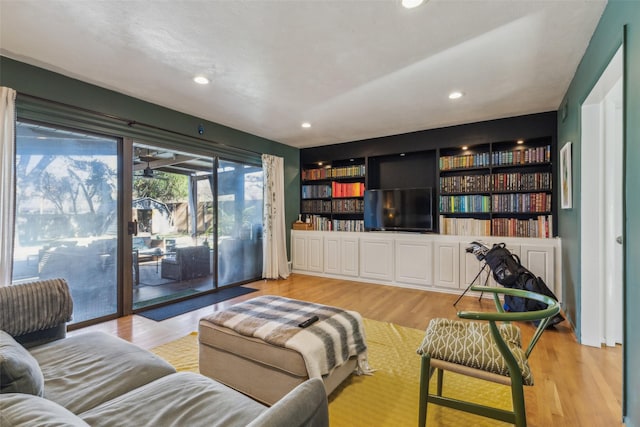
{"points": [[470, 344]]}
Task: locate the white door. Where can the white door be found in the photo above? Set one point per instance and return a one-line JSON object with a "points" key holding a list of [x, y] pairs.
{"points": [[447, 264], [332, 255], [414, 262], [299, 251], [315, 252], [376, 258], [349, 259], [601, 209], [539, 260]]}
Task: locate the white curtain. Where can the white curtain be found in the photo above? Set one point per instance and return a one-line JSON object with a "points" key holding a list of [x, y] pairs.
{"points": [[7, 181], [274, 245]]}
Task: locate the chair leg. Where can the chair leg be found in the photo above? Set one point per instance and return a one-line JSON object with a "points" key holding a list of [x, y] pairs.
{"points": [[440, 377], [517, 398], [425, 376]]}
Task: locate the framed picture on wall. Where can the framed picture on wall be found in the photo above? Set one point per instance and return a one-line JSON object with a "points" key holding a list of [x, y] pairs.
{"points": [[565, 177]]}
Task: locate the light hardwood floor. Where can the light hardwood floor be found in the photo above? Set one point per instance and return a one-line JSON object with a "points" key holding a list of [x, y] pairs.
{"points": [[575, 385]]}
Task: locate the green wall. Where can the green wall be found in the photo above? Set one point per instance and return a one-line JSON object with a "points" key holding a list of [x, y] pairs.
{"points": [[619, 18], [30, 80]]}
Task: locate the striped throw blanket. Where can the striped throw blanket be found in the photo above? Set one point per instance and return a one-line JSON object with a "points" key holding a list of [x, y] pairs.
{"points": [[325, 345]]}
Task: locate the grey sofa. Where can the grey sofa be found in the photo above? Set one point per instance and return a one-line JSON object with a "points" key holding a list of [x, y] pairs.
{"points": [[97, 379]]}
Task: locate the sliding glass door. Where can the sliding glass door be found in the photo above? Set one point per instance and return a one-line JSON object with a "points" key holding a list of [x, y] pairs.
{"points": [[195, 220], [240, 210], [173, 217], [66, 214]]}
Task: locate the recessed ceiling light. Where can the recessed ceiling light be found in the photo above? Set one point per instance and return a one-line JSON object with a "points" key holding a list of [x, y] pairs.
{"points": [[520, 141], [306, 125], [455, 95], [464, 147], [201, 80], [410, 4]]}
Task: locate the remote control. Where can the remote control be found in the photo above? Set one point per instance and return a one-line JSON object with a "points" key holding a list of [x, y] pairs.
{"points": [[309, 322]]}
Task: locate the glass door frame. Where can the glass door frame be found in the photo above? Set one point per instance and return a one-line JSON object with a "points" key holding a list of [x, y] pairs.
{"points": [[125, 235], [97, 251], [202, 282]]}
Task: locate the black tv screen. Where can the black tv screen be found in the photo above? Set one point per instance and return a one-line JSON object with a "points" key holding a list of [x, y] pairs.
{"points": [[399, 209]]}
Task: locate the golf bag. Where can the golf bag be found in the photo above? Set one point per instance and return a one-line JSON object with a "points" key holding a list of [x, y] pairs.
{"points": [[510, 273]]}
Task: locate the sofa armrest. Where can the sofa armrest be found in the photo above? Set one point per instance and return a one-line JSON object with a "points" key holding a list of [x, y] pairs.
{"points": [[304, 406], [35, 312]]}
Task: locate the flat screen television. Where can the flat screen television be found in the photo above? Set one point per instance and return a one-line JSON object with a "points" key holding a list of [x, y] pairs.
{"points": [[398, 209]]}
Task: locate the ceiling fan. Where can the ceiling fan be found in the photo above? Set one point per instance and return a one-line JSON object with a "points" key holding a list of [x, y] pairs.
{"points": [[147, 172]]}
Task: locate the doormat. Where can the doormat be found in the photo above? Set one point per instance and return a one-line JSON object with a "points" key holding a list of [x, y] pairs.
{"points": [[172, 310]]}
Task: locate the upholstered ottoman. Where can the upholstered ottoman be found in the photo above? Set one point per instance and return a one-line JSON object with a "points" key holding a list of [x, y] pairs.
{"points": [[258, 347]]}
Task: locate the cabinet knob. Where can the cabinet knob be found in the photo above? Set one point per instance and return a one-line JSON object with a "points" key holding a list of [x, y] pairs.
{"points": [[619, 240]]}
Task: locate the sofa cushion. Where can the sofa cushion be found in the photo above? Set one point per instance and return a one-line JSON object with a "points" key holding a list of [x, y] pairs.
{"points": [[181, 399], [17, 409], [85, 370], [19, 371]]}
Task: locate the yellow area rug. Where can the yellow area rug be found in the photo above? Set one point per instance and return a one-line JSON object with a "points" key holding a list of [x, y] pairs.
{"points": [[389, 397]]}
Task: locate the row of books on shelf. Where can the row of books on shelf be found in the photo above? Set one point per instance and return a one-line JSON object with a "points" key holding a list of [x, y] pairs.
{"points": [[316, 191], [496, 182], [540, 227], [465, 226], [465, 184], [321, 223], [519, 202], [347, 189], [347, 206], [498, 158], [465, 204], [516, 202], [522, 181], [522, 157], [351, 171], [464, 161], [316, 206], [336, 189]]}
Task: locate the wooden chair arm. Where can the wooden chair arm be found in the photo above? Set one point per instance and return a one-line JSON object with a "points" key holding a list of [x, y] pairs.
{"points": [[553, 306]]}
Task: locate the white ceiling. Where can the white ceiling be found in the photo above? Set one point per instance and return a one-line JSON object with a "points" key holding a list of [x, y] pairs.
{"points": [[354, 69]]}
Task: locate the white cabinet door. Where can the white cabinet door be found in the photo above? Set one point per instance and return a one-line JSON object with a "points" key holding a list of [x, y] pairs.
{"points": [[447, 264], [539, 259], [414, 262], [332, 255], [298, 251], [349, 259], [376, 258], [315, 252]]}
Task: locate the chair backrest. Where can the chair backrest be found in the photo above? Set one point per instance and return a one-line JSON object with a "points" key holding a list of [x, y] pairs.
{"points": [[191, 252], [541, 316]]}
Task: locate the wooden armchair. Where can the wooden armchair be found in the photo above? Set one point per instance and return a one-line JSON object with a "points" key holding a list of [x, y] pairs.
{"points": [[484, 350]]}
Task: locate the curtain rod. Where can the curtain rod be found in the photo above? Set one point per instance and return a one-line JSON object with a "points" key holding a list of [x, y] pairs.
{"points": [[131, 122]]}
